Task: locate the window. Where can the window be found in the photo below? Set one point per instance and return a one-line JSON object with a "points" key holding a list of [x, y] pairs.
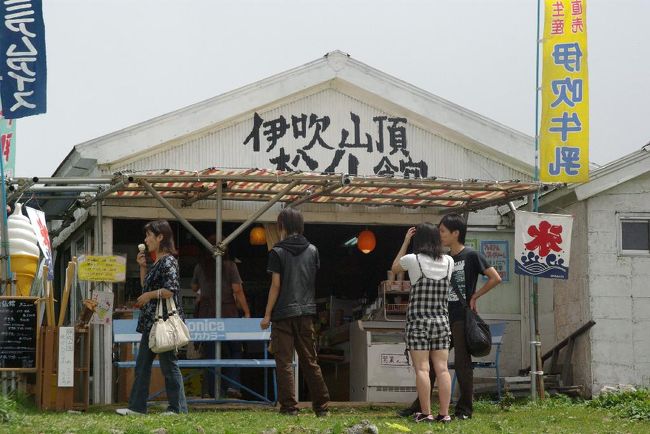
{"points": [[635, 234]]}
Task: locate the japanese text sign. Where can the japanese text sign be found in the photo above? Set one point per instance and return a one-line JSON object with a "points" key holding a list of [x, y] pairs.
{"points": [[65, 368], [564, 134], [498, 256], [341, 142], [23, 67], [542, 244], [102, 268], [8, 137]]}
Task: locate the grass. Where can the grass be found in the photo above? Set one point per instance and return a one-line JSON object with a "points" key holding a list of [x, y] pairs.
{"points": [[559, 415]]}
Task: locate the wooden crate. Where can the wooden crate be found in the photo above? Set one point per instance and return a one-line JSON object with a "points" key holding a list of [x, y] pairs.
{"points": [[48, 395]]}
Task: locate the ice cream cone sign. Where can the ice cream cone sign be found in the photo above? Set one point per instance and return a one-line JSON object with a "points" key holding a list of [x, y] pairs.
{"points": [[23, 250]]}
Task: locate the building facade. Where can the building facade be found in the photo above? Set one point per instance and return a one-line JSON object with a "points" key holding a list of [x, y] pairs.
{"points": [[331, 115]]}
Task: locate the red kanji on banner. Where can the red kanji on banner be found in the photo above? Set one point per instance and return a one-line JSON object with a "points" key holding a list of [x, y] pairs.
{"points": [[6, 145], [546, 238]]}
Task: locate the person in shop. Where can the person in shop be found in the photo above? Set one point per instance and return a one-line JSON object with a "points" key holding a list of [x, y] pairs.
{"points": [[468, 264], [291, 306], [427, 321], [232, 299], [161, 281]]}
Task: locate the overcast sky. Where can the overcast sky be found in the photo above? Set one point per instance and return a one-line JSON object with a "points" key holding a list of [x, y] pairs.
{"points": [[114, 63]]}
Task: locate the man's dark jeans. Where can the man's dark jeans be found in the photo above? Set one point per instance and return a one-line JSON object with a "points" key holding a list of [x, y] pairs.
{"points": [[174, 387], [464, 372], [297, 333]]}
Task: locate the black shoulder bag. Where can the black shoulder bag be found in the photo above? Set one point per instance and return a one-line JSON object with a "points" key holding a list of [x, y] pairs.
{"points": [[477, 333]]}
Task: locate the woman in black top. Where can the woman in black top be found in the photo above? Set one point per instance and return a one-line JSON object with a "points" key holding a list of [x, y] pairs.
{"points": [[161, 281]]}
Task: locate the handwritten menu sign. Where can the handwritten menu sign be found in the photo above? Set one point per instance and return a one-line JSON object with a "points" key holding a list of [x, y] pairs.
{"points": [[18, 333], [66, 357], [102, 268]]}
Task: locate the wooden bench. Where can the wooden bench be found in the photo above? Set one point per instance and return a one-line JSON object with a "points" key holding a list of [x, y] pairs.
{"points": [[210, 330]]}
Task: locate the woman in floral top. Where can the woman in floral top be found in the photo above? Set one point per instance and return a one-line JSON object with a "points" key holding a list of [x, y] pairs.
{"points": [[161, 281]]}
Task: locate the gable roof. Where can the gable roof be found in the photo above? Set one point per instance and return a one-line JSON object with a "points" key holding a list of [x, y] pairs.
{"points": [[335, 70]]}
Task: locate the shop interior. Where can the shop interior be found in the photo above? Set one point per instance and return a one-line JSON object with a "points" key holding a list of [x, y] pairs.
{"points": [[347, 281]]}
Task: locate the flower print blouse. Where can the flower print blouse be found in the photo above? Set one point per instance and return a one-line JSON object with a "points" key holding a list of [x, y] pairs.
{"points": [[162, 274]]}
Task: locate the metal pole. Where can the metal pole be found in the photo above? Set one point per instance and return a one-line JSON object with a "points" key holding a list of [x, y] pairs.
{"points": [[533, 288], [98, 342], [258, 213], [5, 253], [5, 232], [218, 283], [182, 220]]}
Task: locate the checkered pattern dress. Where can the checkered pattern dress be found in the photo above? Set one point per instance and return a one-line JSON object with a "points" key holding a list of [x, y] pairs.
{"points": [[427, 319]]}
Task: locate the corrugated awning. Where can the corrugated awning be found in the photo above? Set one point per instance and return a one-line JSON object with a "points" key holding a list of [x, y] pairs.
{"points": [[262, 185]]}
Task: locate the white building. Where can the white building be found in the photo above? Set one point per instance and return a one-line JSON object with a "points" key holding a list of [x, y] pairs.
{"points": [[333, 114], [610, 271]]}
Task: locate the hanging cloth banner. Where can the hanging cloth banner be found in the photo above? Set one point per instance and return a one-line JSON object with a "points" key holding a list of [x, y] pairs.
{"points": [[37, 219], [23, 67], [564, 133], [542, 244], [8, 138]]}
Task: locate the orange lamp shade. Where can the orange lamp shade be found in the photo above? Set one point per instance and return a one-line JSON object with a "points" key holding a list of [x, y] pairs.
{"points": [[366, 241], [258, 236]]}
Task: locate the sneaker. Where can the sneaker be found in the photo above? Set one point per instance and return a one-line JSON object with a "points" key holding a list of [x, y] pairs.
{"points": [[462, 416], [169, 413], [420, 417], [289, 411], [322, 413], [406, 412], [128, 412], [443, 419]]}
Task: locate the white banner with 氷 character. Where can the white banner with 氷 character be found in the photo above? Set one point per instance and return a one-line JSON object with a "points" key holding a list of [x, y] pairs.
{"points": [[542, 244]]}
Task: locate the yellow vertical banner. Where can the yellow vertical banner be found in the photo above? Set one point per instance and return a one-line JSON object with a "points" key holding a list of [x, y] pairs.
{"points": [[564, 132]]}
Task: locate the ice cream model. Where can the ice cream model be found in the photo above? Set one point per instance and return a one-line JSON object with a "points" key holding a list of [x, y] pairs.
{"points": [[23, 250]]}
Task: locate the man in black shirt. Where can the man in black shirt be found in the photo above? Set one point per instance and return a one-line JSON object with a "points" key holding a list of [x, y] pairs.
{"points": [[468, 264], [291, 306]]}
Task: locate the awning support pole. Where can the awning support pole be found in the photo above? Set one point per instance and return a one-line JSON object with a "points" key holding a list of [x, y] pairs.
{"points": [[182, 220], [218, 282], [256, 215]]}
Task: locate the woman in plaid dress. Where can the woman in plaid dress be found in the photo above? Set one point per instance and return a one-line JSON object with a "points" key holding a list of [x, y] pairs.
{"points": [[427, 320]]}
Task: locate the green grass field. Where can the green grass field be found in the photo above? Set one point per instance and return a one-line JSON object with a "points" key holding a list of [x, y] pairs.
{"points": [[553, 416]]}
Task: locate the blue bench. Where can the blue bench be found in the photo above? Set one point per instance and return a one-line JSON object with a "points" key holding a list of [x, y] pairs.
{"points": [[210, 330], [497, 331]]}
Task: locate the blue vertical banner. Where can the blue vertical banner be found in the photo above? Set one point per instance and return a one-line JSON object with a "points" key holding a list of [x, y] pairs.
{"points": [[23, 66]]}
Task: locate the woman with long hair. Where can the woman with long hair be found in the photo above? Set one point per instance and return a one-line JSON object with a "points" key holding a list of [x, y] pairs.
{"points": [[159, 282], [427, 319]]}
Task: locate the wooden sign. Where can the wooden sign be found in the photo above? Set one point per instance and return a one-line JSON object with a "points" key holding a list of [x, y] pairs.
{"points": [[18, 333], [66, 357], [102, 268]]}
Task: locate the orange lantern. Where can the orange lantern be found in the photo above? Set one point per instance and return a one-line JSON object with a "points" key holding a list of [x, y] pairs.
{"points": [[366, 241], [258, 236]]}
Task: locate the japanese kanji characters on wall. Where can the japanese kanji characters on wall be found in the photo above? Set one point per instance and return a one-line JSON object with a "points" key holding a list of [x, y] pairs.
{"points": [[564, 134], [386, 145]]}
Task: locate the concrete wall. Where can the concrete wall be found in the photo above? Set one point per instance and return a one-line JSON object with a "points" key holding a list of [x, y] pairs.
{"points": [[571, 298], [619, 292]]}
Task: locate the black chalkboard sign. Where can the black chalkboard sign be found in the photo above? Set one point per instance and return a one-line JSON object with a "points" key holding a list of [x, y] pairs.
{"points": [[18, 333]]}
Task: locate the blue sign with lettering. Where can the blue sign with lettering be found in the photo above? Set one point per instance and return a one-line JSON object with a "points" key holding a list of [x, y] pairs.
{"points": [[23, 67]]}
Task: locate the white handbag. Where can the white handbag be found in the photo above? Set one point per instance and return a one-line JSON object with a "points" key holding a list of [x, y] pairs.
{"points": [[170, 334]]}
